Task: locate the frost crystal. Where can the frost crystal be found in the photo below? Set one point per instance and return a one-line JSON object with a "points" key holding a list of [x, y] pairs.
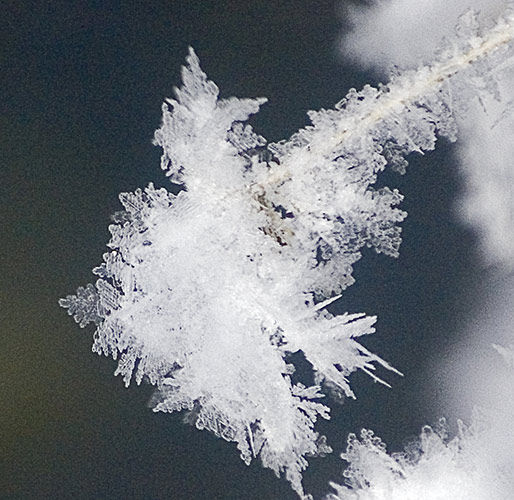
{"points": [[474, 465], [206, 294], [375, 475]]}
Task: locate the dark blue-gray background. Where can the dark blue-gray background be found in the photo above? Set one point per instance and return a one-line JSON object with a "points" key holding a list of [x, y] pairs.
{"points": [[82, 87]]}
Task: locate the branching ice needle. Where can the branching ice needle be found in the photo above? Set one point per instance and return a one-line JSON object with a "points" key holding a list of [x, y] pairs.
{"points": [[325, 303]]}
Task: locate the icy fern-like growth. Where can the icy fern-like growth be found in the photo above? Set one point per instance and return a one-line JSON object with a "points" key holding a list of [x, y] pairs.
{"points": [[207, 293]]}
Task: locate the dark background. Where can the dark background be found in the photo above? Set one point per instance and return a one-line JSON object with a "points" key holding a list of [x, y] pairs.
{"points": [[83, 83]]}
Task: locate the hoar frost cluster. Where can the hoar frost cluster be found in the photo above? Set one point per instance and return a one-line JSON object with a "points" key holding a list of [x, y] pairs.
{"points": [[207, 293]]}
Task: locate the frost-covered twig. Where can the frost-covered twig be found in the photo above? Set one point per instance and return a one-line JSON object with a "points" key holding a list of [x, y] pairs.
{"points": [[207, 293]]}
